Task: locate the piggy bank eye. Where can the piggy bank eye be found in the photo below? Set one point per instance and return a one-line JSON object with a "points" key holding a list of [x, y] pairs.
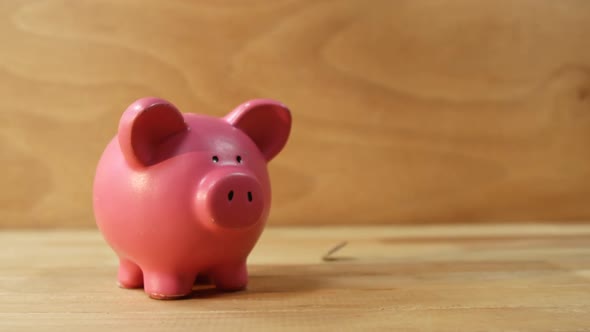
{"points": [[215, 159], [239, 159]]}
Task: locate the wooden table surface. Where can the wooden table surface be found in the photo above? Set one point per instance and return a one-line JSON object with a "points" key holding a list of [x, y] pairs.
{"points": [[495, 277]]}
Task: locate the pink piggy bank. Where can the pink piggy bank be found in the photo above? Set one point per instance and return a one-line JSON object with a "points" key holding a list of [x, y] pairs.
{"points": [[184, 195]]}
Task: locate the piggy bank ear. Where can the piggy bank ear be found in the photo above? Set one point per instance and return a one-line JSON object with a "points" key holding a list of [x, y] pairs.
{"points": [[146, 124], [267, 122]]}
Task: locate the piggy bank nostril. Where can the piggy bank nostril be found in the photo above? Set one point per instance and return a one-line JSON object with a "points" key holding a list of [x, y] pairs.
{"points": [[230, 195], [249, 196]]}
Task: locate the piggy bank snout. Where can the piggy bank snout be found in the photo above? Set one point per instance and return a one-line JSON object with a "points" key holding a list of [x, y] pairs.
{"points": [[233, 200]]}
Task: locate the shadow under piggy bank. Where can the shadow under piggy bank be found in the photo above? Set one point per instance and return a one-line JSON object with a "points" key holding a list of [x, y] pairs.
{"points": [[287, 280]]}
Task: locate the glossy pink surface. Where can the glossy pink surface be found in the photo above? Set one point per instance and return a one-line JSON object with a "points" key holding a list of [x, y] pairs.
{"points": [[184, 195]]}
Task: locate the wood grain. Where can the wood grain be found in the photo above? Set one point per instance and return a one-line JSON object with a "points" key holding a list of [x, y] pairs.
{"points": [[410, 278], [404, 111]]}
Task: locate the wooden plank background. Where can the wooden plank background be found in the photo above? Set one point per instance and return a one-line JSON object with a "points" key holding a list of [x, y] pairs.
{"points": [[404, 111]]}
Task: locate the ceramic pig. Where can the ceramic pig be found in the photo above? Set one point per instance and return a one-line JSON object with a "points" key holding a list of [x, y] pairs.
{"points": [[184, 195]]}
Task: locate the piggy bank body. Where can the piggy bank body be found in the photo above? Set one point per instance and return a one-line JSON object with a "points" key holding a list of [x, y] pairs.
{"points": [[180, 196]]}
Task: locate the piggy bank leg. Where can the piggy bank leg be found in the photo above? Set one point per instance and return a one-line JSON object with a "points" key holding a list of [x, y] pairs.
{"points": [[230, 277], [167, 286], [130, 275]]}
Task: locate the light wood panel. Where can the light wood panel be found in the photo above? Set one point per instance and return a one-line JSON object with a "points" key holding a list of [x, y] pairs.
{"points": [[404, 111], [446, 278]]}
